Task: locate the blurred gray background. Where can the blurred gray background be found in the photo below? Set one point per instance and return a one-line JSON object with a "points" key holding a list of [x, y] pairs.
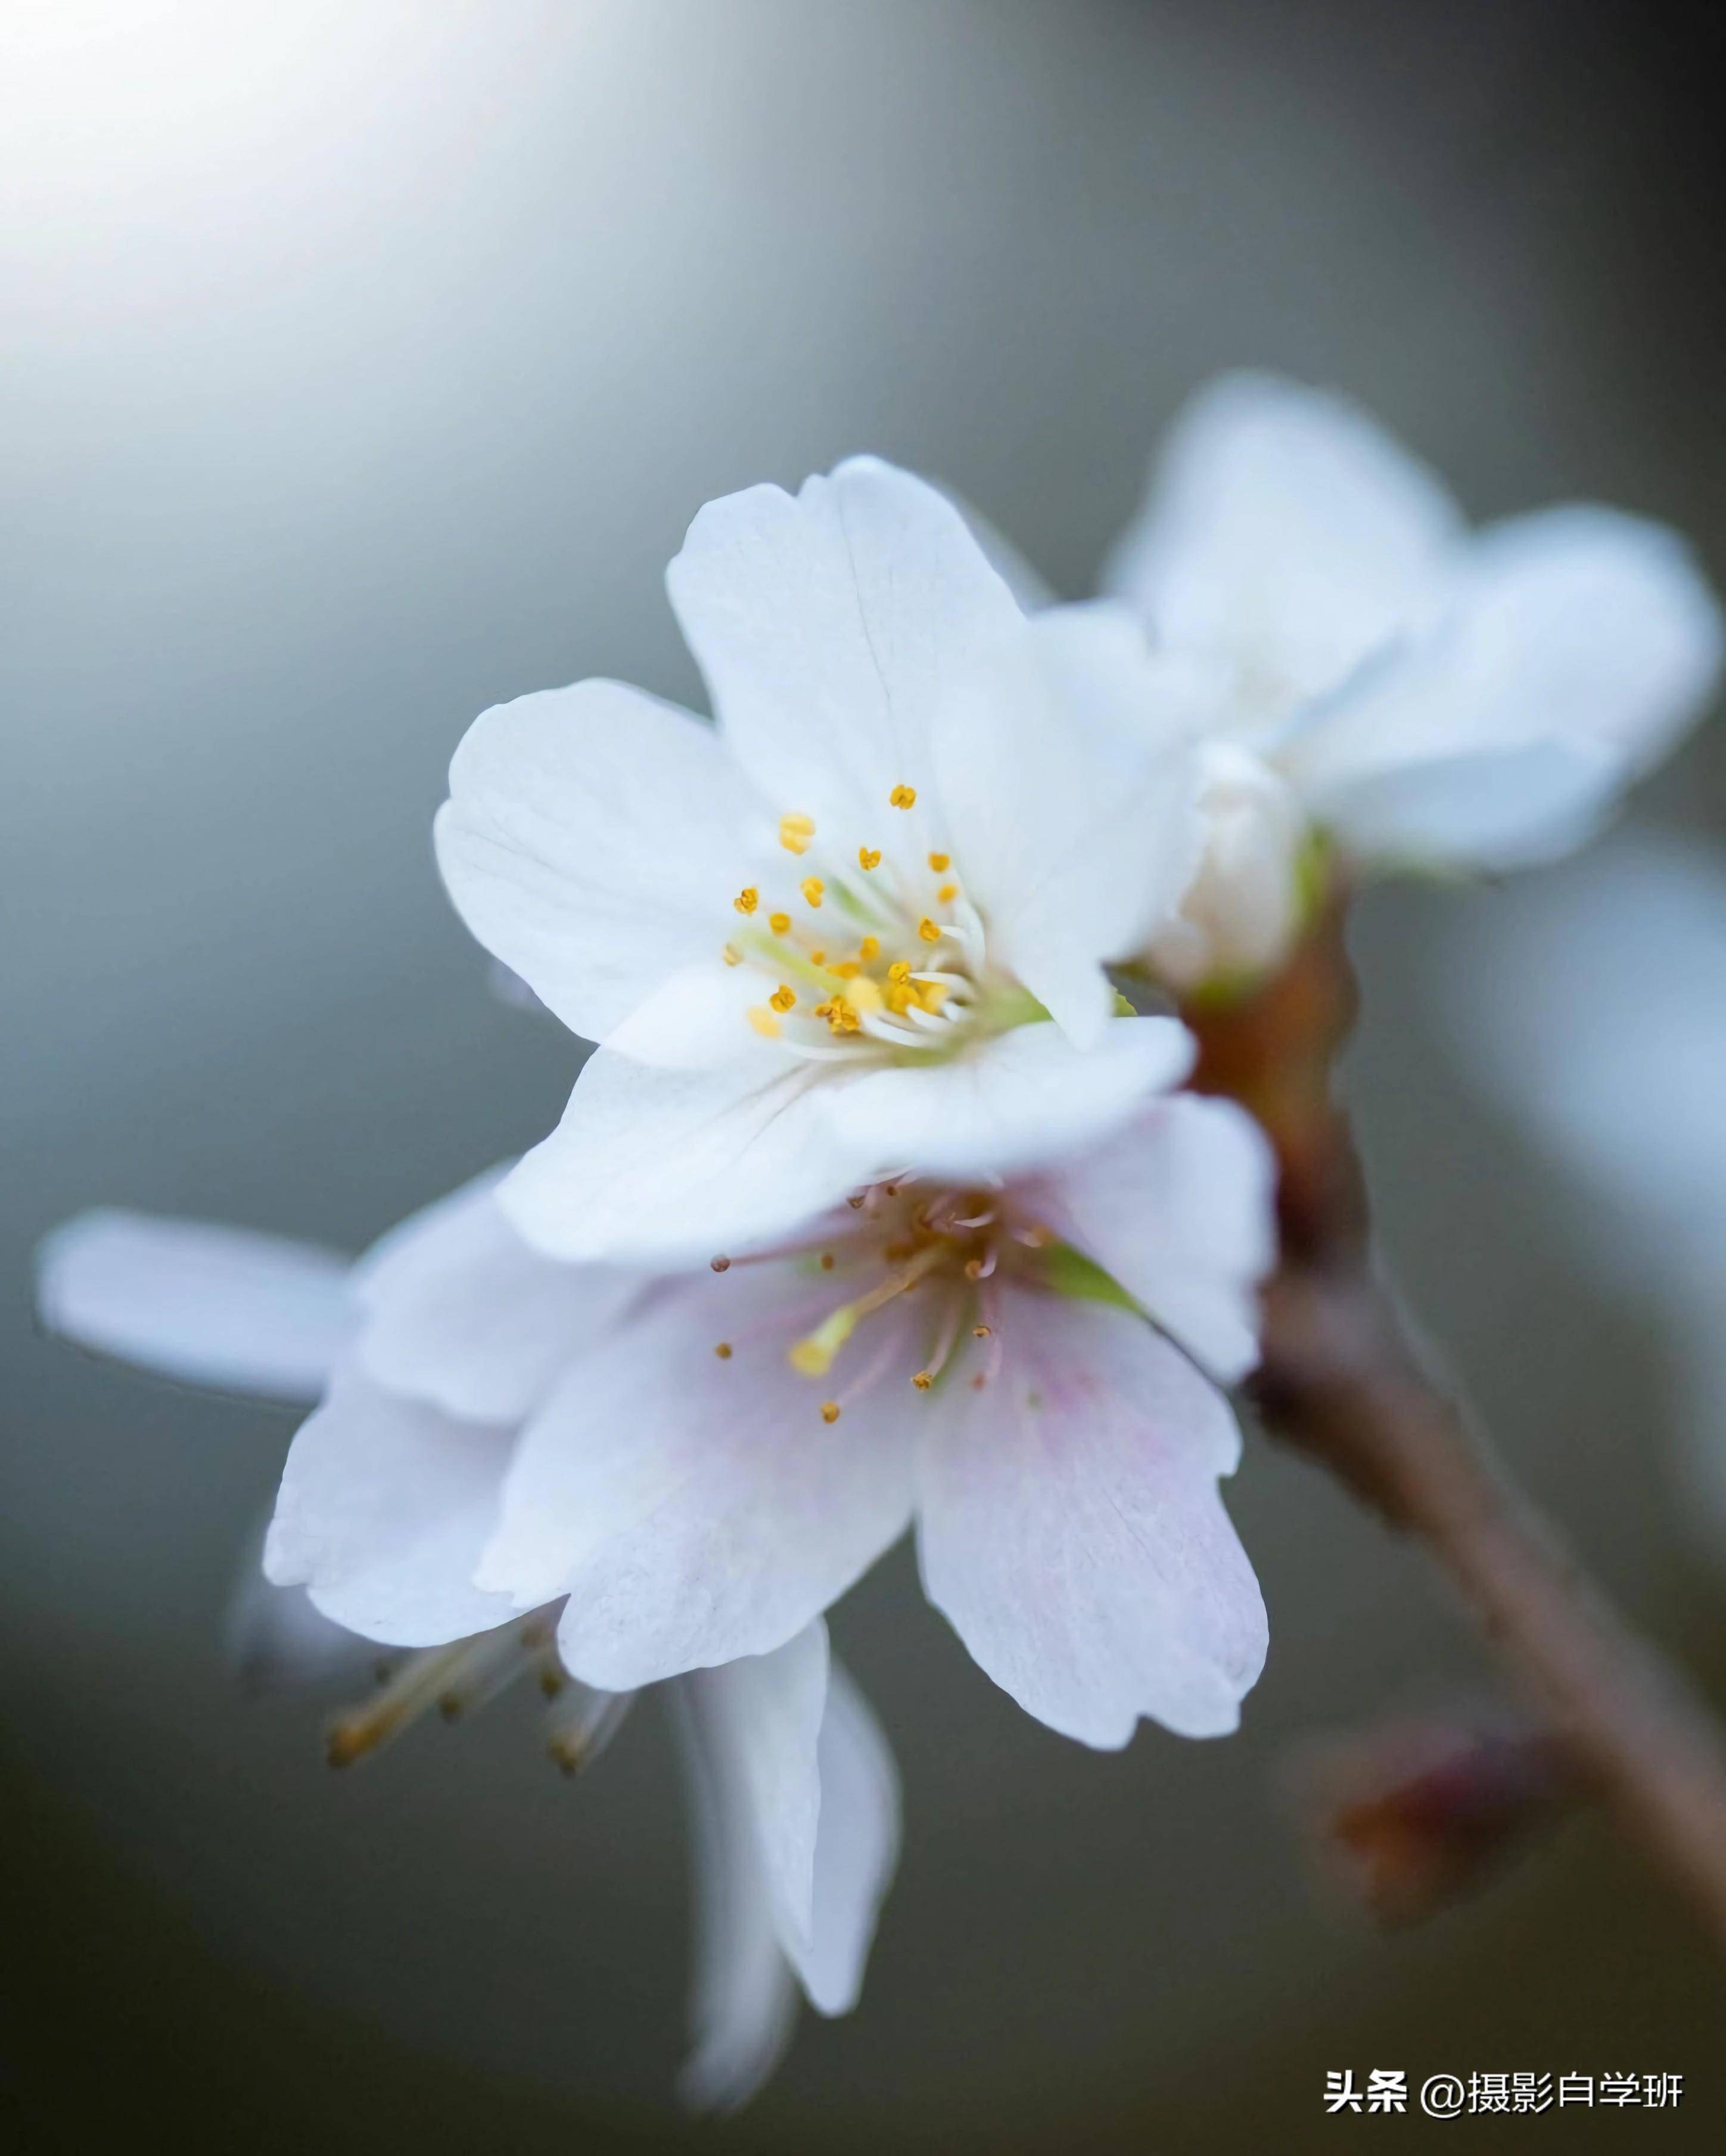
{"points": [[363, 365]]}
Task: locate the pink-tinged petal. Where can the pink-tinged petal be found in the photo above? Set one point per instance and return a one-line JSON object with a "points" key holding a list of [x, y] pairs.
{"points": [[697, 1507], [463, 1314], [856, 1847], [669, 1167], [592, 840], [210, 1306], [831, 626], [1011, 1103], [1178, 1208], [1286, 533], [384, 1508], [1070, 784], [1071, 1530]]}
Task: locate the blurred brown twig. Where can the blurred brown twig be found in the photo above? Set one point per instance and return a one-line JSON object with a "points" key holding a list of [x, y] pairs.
{"points": [[1341, 1383]]}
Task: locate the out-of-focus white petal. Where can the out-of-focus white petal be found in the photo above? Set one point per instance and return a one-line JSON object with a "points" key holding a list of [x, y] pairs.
{"points": [[742, 1996], [460, 1313], [1576, 645], [1178, 1208], [650, 1166], [384, 1508], [830, 627], [1015, 1102], [694, 1507], [1286, 533], [1594, 627], [764, 1715], [1071, 1530], [1069, 782], [211, 1306], [856, 1847], [591, 838], [1482, 809], [1242, 909]]}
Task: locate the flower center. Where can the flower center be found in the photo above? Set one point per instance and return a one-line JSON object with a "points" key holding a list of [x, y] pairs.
{"points": [[881, 950], [950, 1254]]}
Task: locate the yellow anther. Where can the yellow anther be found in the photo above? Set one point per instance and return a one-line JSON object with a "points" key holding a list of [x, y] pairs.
{"points": [[782, 997], [929, 930], [723, 1351], [980, 1332], [923, 1381], [812, 887], [846, 969], [747, 900], [973, 1269], [940, 863], [830, 1411], [903, 796], [899, 998], [824, 1010], [868, 857], [795, 833], [870, 948], [932, 995], [900, 972], [764, 1021], [779, 922], [947, 893], [731, 955], [818, 957]]}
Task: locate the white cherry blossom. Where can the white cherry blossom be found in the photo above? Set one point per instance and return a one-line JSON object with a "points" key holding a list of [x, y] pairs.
{"points": [[701, 1463], [793, 1791], [858, 924], [1422, 695]]}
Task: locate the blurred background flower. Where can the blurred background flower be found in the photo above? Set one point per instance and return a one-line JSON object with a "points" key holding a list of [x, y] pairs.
{"points": [[364, 366]]}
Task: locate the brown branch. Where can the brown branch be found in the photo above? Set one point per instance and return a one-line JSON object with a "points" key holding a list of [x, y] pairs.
{"points": [[1341, 1383]]}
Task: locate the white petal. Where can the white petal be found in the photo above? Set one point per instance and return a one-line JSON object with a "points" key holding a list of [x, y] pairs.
{"points": [[592, 840], [1071, 1529], [1243, 908], [1577, 644], [1014, 1103], [1179, 1209], [1592, 627], [1286, 533], [463, 1314], [1028, 585], [212, 1305], [694, 1508], [1482, 809], [856, 1847], [830, 628], [653, 1165], [1069, 783], [763, 1716], [742, 1998], [384, 1508]]}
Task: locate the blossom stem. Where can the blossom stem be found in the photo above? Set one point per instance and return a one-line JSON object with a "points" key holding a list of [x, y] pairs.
{"points": [[1341, 1383]]}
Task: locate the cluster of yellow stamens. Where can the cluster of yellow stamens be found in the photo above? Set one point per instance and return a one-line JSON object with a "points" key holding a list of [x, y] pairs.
{"points": [[861, 993], [951, 1251]]}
